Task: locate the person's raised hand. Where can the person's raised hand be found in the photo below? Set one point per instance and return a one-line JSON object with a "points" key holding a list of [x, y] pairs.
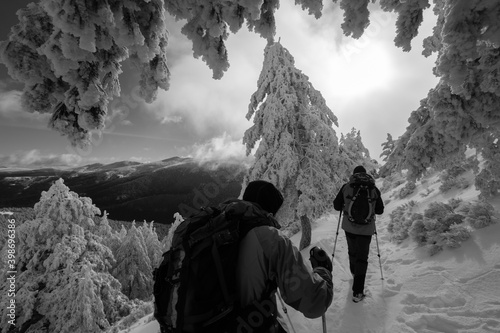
{"points": [[319, 258]]}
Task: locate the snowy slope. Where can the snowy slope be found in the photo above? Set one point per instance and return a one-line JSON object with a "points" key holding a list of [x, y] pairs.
{"points": [[456, 291]]}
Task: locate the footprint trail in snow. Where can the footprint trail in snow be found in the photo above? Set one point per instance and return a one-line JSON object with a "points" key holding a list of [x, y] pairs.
{"points": [[453, 292]]}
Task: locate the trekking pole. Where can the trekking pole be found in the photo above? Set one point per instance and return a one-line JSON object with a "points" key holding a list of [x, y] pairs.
{"points": [[283, 306], [378, 253], [336, 235]]}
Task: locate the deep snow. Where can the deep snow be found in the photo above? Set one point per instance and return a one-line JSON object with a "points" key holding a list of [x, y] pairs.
{"points": [[455, 291]]}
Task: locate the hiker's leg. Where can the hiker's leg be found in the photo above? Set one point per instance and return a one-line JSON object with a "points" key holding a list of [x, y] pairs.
{"points": [[351, 250], [362, 251]]}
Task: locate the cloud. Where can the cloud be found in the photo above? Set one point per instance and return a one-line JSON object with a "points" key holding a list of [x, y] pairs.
{"points": [[183, 46], [221, 149], [11, 107], [139, 159], [207, 107], [170, 119], [117, 116], [211, 107], [10, 102], [34, 159]]}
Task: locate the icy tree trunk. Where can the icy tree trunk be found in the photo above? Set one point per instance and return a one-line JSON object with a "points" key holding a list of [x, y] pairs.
{"points": [[305, 224]]}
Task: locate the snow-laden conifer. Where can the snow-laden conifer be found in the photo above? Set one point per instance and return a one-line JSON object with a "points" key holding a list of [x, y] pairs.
{"points": [[133, 266], [462, 110], [297, 146], [102, 227], [356, 17], [115, 239], [353, 152], [63, 281], [410, 16], [68, 54], [387, 147], [152, 243]]}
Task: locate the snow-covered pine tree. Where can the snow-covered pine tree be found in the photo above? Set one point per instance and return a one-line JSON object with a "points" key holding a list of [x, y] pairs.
{"points": [[410, 16], [353, 152], [392, 156], [123, 232], [298, 148], [133, 266], [114, 241], [356, 17], [63, 281], [396, 160], [102, 227], [462, 110], [68, 54], [488, 180], [152, 243], [387, 147]]}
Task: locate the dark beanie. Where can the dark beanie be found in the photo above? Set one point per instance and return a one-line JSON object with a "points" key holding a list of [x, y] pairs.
{"points": [[265, 194], [359, 169]]}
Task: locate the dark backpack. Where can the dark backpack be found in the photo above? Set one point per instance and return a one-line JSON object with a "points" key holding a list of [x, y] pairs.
{"points": [[360, 197], [195, 285]]}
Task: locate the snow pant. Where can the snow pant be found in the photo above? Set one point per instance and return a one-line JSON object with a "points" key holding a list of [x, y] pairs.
{"points": [[358, 247]]}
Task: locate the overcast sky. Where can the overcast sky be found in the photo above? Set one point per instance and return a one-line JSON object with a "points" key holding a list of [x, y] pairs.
{"points": [[369, 84]]}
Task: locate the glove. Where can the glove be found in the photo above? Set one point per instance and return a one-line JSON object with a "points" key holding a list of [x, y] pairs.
{"points": [[319, 258]]}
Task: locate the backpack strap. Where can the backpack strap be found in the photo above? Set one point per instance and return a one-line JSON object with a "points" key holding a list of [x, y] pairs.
{"points": [[222, 282], [371, 199], [351, 203]]}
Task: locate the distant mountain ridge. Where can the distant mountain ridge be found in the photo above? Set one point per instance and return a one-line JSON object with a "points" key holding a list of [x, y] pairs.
{"points": [[130, 190]]}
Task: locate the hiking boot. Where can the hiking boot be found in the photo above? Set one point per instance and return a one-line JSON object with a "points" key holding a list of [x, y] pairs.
{"points": [[358, 297]]}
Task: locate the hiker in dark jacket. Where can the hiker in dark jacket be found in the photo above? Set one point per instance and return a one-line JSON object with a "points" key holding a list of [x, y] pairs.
{"points": [[358, 236], [268, 261]]}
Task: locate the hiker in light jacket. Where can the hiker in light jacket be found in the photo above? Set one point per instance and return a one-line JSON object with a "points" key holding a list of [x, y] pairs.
{"points": [[358, 236], [268, 261]]}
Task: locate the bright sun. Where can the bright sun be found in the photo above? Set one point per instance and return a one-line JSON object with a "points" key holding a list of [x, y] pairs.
{"points": [[363, 73]]}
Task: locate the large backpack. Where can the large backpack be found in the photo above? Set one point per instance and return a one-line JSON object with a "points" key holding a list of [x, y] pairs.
{"points": [[360, 197], [195, 285]]}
